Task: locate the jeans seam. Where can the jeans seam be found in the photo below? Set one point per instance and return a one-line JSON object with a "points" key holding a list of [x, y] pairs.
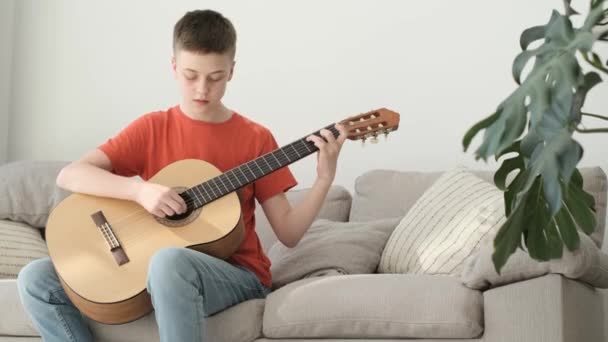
{"points": [[66, 327], [200, 313], [59, 315]]}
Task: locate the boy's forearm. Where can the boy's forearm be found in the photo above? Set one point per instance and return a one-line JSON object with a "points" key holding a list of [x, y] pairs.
{"points": [[89, 179], [300, 217]]}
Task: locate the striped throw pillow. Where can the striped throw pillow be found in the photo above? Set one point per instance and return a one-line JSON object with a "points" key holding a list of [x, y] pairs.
{"points": [[19, 244], [445, 225]]}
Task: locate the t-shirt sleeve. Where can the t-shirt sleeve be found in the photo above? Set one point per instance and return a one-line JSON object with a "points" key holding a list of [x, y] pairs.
{"points": [[274, 183], [126, 150]]}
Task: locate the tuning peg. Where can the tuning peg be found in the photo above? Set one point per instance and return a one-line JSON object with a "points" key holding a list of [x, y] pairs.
{"points": [[374, 139], [363, 141], [386, 134]]}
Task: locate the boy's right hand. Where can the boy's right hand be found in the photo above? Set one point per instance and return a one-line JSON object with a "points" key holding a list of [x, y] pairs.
{"points": [[160, 200]]}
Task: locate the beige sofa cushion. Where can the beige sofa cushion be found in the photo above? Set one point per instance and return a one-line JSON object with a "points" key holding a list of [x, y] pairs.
{"points": [[374, 306], [13, 319], [445, 225], [29, 191], [347, 247], [336, 208], [240, 323], [388, 193], [19, 244]]}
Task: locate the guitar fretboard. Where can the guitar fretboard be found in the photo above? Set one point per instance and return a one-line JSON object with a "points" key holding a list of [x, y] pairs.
{"points": [[242, 175]]}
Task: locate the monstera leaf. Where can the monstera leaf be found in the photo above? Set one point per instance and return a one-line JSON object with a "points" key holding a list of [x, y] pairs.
{"points": [[545, 201]]}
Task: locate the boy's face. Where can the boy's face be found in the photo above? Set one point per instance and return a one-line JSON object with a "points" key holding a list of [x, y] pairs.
{"points": [[202, 79]]}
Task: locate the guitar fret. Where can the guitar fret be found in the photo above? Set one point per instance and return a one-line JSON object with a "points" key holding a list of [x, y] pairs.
{"points": [[275, 158], [217, 185], [244, 175], [217, 181], [223, 183], [230, 181], [305, 145], [267, 163], [206, 192], [193, 196], [237, 179], [211, 188], [286, 155], [253, 173], [255, 161], [199, 192], [293, 148]]}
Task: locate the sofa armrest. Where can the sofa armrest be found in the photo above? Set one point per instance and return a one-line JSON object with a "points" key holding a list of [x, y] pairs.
{"points": [[550, 308]]}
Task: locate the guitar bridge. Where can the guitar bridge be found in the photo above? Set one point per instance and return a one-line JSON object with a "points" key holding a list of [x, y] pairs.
{"points": [[108, 233]]}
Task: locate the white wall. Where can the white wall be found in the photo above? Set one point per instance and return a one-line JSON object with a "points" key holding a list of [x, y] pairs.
{"points": [[83, 70], [6, 42]]}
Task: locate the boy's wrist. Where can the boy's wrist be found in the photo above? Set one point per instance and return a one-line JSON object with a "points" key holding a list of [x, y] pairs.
{"points": [[323, 183], [134, 189]]}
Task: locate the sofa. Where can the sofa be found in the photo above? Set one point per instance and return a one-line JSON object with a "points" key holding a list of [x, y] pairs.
{"points": [[333, 304]]}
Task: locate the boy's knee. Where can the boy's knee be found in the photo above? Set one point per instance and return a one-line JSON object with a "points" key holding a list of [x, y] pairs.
{"points": [[34, 273], [166, 259], [167, 264]]}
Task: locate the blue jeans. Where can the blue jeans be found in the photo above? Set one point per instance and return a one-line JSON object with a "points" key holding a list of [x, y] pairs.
{"points": [[185, 285]]}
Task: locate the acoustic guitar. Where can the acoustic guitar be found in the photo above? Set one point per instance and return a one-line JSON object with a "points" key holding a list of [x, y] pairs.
{"points": [[100, 247]]}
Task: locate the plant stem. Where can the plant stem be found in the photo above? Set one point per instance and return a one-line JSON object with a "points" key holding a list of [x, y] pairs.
{"points": [[595, 116], [594, 130]]}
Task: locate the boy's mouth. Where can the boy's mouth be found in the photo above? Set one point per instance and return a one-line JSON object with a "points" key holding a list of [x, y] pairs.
{"points": [[201, 102]]}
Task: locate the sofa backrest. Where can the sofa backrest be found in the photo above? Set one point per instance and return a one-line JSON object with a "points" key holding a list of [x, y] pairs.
{"points": [[389, 193], [336, 207]]}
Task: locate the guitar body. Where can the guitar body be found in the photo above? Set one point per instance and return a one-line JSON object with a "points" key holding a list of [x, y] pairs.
{"points": [[113, 293]]}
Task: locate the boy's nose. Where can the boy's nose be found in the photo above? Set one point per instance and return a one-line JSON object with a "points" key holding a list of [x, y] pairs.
{"points": [[202, 88]]}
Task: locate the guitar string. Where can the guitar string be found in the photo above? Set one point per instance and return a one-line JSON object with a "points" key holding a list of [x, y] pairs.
{"points": [[142, 213], [189, 202]]}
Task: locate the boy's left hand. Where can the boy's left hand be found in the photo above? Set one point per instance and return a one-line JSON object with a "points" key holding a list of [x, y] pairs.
{"points": [[329, 149]]}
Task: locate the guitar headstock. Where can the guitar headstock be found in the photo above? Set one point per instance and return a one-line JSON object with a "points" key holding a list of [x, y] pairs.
{"points": [[371, 124]]}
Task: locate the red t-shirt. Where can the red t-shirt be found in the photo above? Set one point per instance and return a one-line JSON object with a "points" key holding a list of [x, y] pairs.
{"points": [[158, 139]]}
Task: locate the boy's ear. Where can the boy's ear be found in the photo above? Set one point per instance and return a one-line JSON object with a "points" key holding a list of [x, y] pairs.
{"points": [[231, 70], [174, 67]]}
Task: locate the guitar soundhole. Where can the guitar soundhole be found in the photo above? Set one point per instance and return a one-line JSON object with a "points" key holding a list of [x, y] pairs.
{"points": [[179, 217], [180, 220]]}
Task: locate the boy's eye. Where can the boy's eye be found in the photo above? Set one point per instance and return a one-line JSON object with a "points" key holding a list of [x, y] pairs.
{"points": [[190, 77], [215, 78]]}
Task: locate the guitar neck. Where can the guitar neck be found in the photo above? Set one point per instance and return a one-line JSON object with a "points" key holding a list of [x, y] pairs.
{"points": [[251, 171]]}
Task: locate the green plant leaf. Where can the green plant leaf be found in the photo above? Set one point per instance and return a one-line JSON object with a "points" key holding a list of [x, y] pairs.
{"points": [[580, 205], [556, 246], [536, 213], [472, 132], [569, 10], [531, 35], [567, 229], [508, 238], [508, 166]]}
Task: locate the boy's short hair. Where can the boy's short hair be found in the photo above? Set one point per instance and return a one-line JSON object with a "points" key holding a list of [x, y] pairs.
{"points": [[204, 31]]}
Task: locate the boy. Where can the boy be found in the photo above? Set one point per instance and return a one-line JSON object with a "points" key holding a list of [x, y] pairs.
{"points": [[185, 285]]}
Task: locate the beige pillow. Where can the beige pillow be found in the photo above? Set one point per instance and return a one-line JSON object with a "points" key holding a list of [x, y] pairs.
{"points": [[587, 264], [29, 192], [19, 244], [444, 226], [330, 247]]}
